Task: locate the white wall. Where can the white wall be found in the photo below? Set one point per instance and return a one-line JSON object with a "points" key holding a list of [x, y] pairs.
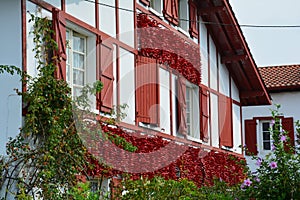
{"points": [[37, 11], [213, 65], [235, 94], [107, 15], [214, 120], [236, 127], [289, 102], [126, 19], [56, 3], [164, 96], [10, 54], [224, 86], [203, 53], [127, 85], [83, 10]]}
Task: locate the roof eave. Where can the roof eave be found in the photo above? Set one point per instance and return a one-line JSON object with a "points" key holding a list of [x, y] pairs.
{"points": [[235, 52]]}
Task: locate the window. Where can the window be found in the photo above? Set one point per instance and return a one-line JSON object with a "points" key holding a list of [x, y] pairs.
{"points": [[257, 133], [79, 68], [266, 135], [183, 15], [189, 109], [100, 185], [156, 5], [76, 61], [192, 111]]}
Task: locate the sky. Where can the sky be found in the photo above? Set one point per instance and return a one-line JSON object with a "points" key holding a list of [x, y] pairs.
{"points": [[270, 46]]}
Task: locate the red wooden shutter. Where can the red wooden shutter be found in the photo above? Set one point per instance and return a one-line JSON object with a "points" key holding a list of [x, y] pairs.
{"points": [[146, 2], [181, 106], [107, 78], [250, 137], [225, 121], [147, 97], [204, 114], [288, 125], [59, 27], [170, 11], [193, 19]]}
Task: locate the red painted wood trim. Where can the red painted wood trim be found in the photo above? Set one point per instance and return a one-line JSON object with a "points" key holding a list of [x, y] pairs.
{"points": [[250, 137], [98, 70], [158, 94], [24, 49], [118, 75], [63, 5], [171, 103], [135, 25], [106, 71], [236, 102], [263, 118], [146, 2], [117, 21], [241, 129], [218, 70], [43, 4], [97, 14], [24, 40], [208, 57]]}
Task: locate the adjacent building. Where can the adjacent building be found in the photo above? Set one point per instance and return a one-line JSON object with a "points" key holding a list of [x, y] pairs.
{"points": [[283, 84]]}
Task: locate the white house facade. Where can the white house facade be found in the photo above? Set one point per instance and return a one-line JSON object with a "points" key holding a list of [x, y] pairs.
{"points": [[283, 83]]}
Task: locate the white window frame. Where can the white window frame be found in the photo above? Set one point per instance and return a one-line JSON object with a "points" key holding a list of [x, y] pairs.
{"points": [[192, 112], [90, 59], [260, 140], [262, 132], [183, 14], [156, 7], [70, 65], [104, 187]]}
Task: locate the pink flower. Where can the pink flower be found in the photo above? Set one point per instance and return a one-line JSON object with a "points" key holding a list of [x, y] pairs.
{"points": [[247, 182], [272, 122], [257, 179], [258, 162], [273, 165], [283, 138], [273, 148]]}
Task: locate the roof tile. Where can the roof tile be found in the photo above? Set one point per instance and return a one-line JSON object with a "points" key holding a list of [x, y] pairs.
{"points": [[284, 77]]}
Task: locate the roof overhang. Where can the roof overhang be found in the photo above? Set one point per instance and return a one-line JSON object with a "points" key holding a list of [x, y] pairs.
{"points": [[235, 54]]}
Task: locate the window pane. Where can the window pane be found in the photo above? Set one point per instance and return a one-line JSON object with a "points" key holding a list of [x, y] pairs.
{"points": [[68, 73], [78, 44], [78, 77], [267, 146], [76, 91], [266, 136], [78, 61], [266, 126]]}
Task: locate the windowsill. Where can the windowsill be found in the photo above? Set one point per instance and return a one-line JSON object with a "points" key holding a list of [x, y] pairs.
{"points": [[153, 127], [155, 12], [193, 139], [183, 32]]}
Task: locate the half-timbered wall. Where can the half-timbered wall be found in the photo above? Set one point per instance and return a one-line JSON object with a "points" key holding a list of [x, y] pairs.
{"points": [[83, 10], [112, 53]]}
